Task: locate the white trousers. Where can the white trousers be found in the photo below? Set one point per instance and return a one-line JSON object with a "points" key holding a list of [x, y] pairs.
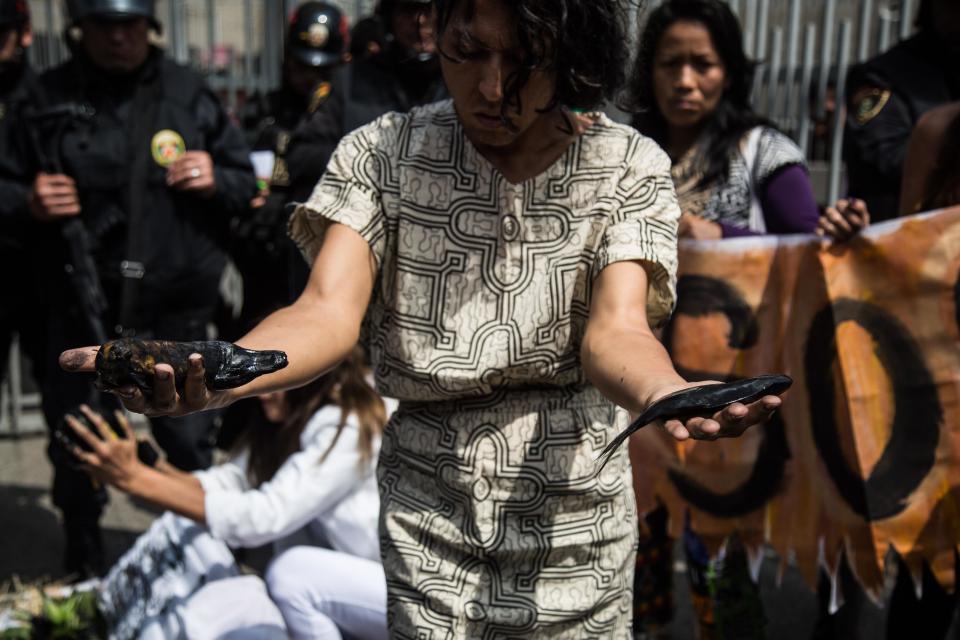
{"points": [[233, 609], [327, 594]]}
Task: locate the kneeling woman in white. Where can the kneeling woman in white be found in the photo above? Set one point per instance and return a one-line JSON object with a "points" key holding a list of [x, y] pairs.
{"points": [[310, 480]]}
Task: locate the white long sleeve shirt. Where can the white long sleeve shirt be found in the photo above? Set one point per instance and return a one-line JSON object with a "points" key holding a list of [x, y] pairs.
{"points": [[337, 500]]}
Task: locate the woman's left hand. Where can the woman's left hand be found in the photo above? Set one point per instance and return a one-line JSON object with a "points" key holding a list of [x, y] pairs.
{"points": [[112, 460], [729, 422], [844, 220], [697, 228]]}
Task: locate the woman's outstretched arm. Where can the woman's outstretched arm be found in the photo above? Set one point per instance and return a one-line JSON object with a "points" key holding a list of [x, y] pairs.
{"points": [[627, 363], [316, 332]]}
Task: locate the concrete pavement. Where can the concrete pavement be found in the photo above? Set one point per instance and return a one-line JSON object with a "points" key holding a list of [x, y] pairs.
{"points": [[31, 541]]}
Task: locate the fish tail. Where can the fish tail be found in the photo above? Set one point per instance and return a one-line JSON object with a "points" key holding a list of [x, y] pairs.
{"points": [[609, 450]]}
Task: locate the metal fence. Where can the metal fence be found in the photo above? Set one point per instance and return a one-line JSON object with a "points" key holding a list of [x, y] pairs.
{"points": [[805, 58], [237, 44], [804, 49]]}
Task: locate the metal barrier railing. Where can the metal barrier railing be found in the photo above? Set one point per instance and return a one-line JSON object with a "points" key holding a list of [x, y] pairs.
{"points": [[804, 49]]}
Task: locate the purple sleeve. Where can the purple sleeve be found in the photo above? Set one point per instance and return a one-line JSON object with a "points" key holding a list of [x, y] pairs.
{"points": [[732, 231], [788, 205]]}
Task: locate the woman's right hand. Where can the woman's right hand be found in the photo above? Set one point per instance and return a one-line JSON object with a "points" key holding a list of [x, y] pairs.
{"points": [[844, 220], [164, 401]]}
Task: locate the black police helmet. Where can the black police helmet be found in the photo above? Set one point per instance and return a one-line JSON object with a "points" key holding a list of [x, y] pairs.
{"points": [[107, 9], [14, 13], [317, 36]]}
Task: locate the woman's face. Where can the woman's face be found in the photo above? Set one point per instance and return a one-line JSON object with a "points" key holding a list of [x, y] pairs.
{"points": [[480, 56], [275, 406], [689, 77]]}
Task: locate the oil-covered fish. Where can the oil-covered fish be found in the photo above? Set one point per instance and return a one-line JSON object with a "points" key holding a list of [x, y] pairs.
{"points": [[703, 400], [130, 361]]}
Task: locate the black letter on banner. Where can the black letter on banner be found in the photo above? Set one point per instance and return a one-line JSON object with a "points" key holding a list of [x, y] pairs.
{"points": [[910, 453], [699, 296]]}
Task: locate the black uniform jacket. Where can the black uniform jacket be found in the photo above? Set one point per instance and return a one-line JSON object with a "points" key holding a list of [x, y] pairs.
{"points": [[362, 92], [181, 235], [266, 117], [16, 90], [885, 98], [17, 302]]}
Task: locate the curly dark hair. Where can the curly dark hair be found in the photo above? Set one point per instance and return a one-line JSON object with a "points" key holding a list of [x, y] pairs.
{"points": [[734, 115], [583, 41]]}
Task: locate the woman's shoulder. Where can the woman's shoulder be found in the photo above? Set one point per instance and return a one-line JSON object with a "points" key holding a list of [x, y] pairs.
{"points": [[773, 150], [324, 423], [622, 143], [388, 131], [774, 141], [396, 134]]}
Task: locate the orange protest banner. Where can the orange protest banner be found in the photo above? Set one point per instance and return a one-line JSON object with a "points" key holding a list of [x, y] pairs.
{"points": [[865, 453]]}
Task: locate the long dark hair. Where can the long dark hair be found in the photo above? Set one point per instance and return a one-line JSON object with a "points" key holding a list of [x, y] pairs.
{"points": [[583, 41], [269, 445], [733, 116]]}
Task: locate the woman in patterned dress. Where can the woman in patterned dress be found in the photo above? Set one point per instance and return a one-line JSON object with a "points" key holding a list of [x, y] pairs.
{"points": [[507, 253]]}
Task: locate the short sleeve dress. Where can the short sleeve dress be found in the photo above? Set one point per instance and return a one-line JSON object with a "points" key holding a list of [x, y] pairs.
{"points": [[493, 519]]}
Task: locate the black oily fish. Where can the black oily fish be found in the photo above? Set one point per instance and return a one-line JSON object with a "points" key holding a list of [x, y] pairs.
{"points": [[707, 398], [226, 365], [712, 397]]}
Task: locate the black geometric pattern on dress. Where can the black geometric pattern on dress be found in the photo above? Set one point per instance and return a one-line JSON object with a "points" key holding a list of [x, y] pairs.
{"points": [[489, 532], [486, 284]]}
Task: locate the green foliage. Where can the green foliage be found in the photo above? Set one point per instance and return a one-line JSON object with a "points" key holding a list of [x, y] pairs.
{"points": [[19, 633], [73, 618]]}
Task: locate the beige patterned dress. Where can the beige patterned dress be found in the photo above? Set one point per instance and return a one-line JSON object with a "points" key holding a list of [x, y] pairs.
{"points": [[493, 523]]}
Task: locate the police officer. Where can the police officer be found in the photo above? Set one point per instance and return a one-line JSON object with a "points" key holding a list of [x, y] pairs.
{"points": [[141, 152], [405, 74], [367, 38], [17, 81], [316, 46], [886, 97]]}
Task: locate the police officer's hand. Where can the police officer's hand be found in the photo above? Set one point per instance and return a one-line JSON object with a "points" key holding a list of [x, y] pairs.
{"points": [[844, 220], [697, 228], [261, 198], [193, 172], [54, 197], [165, 400]]}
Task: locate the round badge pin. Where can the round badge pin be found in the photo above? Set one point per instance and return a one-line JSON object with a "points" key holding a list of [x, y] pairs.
{"points": [[166, 147]]}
